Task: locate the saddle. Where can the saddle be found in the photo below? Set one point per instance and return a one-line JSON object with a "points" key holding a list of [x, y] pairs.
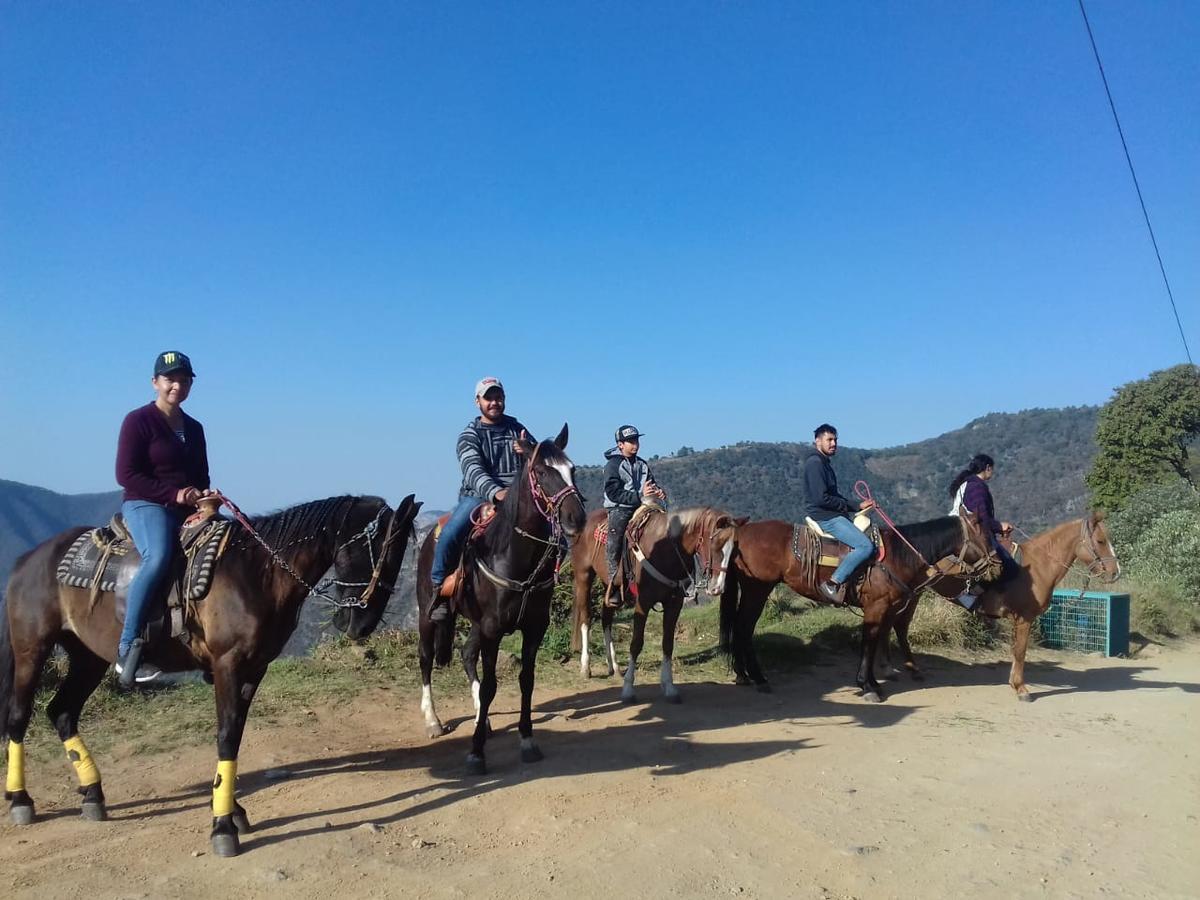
{"points": [[633, 532], [812, 545], [480, 520], [105, 559]]}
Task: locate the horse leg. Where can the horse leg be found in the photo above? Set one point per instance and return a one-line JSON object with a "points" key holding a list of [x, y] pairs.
{"points": [[871, 629], [428, 634], [489, 649], [84, 674], [672, 607], [883, 654], [1020, 643], [754, 600], [583, 619], [27, 669], [470, 661], [635, 649], [233, 695], [901, 629], [531, 640], [607, 613]]}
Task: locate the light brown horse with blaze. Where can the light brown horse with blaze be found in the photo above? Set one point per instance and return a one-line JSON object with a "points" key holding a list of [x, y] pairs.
{"points": [[669, 545]]}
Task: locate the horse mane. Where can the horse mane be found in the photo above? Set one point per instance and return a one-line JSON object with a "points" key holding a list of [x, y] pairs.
{"points": [[297, 524], [930, 538], [497, 539]]}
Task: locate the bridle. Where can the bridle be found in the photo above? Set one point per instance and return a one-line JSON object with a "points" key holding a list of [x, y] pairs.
{"points": [[1099, 562], [319, 590], [708, 554], [550, 508]]}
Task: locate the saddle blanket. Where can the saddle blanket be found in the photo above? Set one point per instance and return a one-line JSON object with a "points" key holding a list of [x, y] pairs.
{"points": [[103, 558], [806, 545]]}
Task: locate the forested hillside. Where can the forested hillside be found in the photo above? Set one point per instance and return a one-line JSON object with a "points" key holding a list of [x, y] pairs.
{"points": [[1041, 457]]}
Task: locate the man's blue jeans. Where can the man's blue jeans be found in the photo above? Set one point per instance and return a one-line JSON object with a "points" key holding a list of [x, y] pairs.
{"points": [[155, 531], [454, 535], [861, 548]]}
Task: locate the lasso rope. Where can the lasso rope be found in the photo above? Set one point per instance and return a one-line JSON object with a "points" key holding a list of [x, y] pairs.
{"points": [[863, 490]]}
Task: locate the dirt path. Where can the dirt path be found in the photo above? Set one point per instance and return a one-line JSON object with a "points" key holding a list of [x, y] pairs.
{"points": [[950, 788]]}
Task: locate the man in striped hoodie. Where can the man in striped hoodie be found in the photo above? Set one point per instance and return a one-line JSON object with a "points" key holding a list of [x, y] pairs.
{"points": [[488, 451]]}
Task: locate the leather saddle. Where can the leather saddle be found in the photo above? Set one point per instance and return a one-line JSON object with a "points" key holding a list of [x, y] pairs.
{"points": [[812, 539], [480, 520], [105, 560]]}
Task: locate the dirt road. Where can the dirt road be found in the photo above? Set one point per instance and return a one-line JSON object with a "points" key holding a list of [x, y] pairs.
{"points": [[950, 788]]}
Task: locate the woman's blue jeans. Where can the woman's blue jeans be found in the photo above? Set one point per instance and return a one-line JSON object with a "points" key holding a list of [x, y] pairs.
{"points": [[860, 546], [155, 531]]}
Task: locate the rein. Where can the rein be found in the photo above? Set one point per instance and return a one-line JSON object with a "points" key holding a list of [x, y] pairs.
{"points": [[318, 590], [556, 546], [1094, 568]]}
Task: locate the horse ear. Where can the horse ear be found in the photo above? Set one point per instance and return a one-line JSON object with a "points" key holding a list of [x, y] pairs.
{"points": [[561, 441], [1097, 516], [741, 520]]}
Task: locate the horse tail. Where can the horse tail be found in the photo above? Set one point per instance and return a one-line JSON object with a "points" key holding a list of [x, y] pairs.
{"points": [[443, 640], [7, 668], [729, 606]]}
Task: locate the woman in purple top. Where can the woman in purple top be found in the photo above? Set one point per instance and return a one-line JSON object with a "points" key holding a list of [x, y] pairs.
{"points": [[162, 463], [970, 491]]}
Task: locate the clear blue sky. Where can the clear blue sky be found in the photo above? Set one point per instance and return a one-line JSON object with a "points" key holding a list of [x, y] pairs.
{"points": [[719, 222]]}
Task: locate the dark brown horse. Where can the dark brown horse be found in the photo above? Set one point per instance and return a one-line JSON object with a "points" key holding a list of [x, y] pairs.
{"points": [[1045, 560], [668, 545], [232, 634], [766, 556], [509, 575]]}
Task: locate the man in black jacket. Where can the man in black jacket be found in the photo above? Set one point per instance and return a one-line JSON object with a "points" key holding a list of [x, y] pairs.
{"points": [[832, 511], [627, 480]]}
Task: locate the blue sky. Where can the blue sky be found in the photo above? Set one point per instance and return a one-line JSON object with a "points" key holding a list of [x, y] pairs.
{"points": [[720, 222]]}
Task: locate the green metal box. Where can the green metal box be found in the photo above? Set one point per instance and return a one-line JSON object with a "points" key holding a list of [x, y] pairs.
{"points": [[1088, 623]]}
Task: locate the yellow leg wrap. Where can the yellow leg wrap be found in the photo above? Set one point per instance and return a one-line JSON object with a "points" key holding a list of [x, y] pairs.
{"points": [[78, 754], [16, 768], [223, 787]]}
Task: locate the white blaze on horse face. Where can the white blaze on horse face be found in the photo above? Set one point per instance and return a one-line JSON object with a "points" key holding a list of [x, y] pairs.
{"points": [[564, 469], [718, 586]]}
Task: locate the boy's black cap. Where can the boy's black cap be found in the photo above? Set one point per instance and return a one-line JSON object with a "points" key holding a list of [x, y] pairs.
{"points": [[172, 361], [627, 433]]}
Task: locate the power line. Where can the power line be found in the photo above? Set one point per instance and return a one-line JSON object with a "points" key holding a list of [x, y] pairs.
{"points": [[1136, 186]]}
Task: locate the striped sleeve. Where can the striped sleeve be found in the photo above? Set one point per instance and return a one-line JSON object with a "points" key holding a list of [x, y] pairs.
{"points": [[476, 475]]}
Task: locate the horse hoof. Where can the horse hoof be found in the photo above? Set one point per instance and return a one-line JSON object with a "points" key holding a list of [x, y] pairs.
{"points": [[241, 823], [629, 698], [226, 845], [435, 731], [93, 812], [611, 673], [21, 815], [476, 764], [764, 688], [531, 754], [872, 697], [1025, 698], [586, 673], [673, 698], [742, 680]]}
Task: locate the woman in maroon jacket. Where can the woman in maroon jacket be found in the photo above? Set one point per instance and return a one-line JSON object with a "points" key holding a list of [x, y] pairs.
{"points": [[970, 491], [162, 463]]}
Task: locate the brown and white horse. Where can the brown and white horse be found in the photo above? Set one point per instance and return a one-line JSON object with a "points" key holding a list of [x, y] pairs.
{"points": [[1045, 560], [662, 573]]}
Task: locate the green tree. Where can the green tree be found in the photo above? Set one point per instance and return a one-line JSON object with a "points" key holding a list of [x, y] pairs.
{"points": [[1143, 435]]}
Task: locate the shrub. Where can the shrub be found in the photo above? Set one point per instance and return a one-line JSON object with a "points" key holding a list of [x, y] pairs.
{"points": [[938, 624], [1128, 526], [1168, 550], [1162, 609]]}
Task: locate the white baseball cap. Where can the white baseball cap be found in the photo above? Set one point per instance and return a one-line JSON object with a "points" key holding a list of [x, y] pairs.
{"points": [[486, 384]]}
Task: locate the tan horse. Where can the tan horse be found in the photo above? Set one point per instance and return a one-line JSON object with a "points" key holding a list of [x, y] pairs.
{"points": [[1045, 560], [662, 572]]}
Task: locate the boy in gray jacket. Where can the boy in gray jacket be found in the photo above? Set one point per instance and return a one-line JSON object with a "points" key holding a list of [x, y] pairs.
{"points": [[627, 480]]}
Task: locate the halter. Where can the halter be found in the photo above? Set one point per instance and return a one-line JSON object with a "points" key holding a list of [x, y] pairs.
{"points": [[318, 590], [549, 508], [708, 556]]}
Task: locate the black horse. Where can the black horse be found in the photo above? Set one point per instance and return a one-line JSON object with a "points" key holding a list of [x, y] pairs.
{"points": [[509, 577], [241, 625]]}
